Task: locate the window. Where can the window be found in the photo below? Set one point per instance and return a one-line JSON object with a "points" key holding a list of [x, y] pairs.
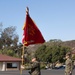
{"points": [[11, 65]]}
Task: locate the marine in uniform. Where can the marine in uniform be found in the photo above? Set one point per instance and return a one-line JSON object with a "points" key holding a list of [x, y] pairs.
{"points": [[34, 67], [68, 63]]}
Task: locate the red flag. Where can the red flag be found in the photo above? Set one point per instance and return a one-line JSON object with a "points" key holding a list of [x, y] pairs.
{"points": [[31, 34]]}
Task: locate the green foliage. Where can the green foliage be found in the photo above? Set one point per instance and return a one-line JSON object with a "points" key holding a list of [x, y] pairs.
{"points": [[41, 52], [8, 52], [9, 36], [9, 41], [52, 53], [42, 65]]}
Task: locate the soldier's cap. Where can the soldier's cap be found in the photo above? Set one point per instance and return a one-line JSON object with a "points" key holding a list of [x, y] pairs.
{"points": [[33, 57]]}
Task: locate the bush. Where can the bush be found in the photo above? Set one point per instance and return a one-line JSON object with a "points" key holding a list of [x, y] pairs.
{"points": [[42, 65]]}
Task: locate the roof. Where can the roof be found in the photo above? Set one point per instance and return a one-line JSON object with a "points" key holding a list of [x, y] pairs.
{"points": [[5, 58]]}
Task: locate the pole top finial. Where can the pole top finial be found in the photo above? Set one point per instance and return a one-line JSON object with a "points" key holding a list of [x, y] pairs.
{"points": [[27, 10]]}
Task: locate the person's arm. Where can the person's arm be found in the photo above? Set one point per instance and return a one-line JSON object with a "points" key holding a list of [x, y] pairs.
{"points": [[71, 66]]}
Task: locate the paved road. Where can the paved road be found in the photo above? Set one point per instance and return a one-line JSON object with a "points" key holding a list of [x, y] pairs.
{"points": [[43, 72]]}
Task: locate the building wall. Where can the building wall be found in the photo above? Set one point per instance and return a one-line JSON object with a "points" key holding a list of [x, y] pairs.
{"points": [[15, 66], [1, 64], [4, 66]]}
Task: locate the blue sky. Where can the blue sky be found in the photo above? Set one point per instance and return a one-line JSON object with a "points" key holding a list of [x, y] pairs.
{"points": [[54, 18]]}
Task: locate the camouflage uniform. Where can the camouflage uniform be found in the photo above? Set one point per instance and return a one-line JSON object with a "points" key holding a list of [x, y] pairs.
{"points": [[35, 68], [69, 67]]}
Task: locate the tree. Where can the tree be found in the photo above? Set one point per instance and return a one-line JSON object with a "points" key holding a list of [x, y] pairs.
{"points": [[9, 37], [52, 53], [1, 25], [40, 53], [0, 35], [9, 41]]}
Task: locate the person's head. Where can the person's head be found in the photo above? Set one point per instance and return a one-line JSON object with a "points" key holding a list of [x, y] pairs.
{"points": [[68, 55], [33, 59]]}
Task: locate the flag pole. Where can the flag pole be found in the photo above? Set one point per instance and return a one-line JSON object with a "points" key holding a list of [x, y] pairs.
{"points": [[27, 12], [22, 60], [23, 55]]}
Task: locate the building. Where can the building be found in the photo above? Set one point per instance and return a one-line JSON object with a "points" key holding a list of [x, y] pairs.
{"points": [[9, 63]]}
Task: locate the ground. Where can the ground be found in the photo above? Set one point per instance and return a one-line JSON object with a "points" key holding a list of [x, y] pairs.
{"points": [[43, 72]]}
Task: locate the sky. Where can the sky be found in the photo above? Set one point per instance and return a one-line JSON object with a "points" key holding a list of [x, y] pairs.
{"points": [[54, 18]]}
